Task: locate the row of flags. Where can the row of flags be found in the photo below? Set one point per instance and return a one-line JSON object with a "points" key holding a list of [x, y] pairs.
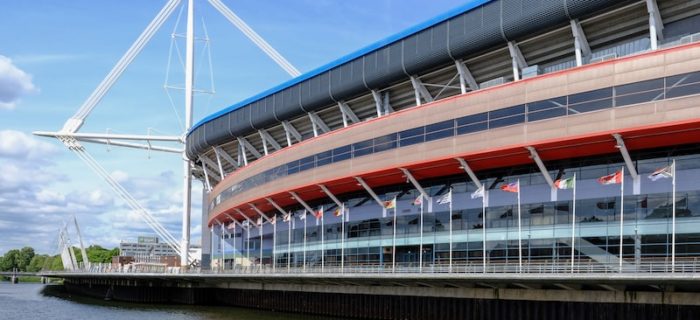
{"points": [[514, 187]]}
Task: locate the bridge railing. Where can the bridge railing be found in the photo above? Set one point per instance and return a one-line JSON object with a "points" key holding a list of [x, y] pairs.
{"points": [[590, 267]]}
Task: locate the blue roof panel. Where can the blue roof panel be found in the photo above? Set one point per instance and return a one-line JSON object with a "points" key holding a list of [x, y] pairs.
{"points": [[470, 5]]}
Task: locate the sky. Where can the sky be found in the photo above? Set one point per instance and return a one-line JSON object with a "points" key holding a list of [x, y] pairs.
{"points": [[53, 54]]}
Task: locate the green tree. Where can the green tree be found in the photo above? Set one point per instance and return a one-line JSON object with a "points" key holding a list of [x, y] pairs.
{"points": [[56, 264], [9, 260], [24, 258], [38, 263]]}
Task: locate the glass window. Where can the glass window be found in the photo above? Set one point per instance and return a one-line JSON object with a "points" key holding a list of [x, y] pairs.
{"points": [[361, 152], [590, 95], [546, 114], [546, 104], [385, 139], [362, 144], [590, 106], [449, 124], [682, 79], [680, 91], [341, 150], [502, 122], [639, 98], [639, 86], [412, 140], [506, 112], [472, 128], [412, 132], [439, 134], [341, 157], [479, 117], [384, 146]]}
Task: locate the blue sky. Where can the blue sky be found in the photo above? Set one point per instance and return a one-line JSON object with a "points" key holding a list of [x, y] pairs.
{"points": [[54, 53]]}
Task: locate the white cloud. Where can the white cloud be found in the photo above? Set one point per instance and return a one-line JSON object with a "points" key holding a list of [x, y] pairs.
{"points": [[14, 83], [18, 145]]}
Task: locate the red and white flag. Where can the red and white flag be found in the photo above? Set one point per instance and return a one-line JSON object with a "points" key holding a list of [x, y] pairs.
{"points": [[614, 178]]}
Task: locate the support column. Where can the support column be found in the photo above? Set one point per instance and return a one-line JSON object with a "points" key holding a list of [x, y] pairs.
{"points": [[187, 174], [636, 179]]}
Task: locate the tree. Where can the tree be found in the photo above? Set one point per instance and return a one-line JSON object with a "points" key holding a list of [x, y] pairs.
{"points": [[24, 258], [38, 263], [9, 260]]}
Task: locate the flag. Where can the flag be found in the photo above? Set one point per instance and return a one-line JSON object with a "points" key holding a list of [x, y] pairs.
{"points": [[391, 204], [246, 224], [260, 221], [231, 226], [286, 217], [446, 198], [273, 220], [665, 172], [479, 193], [511, 187], [564, 183], [611, 178], [302, 215], [418, 201], [318, 213], [338, 212]]}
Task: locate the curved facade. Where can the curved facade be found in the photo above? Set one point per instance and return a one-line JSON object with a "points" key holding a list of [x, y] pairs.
{"points": [[468, 30], [403, 188]]}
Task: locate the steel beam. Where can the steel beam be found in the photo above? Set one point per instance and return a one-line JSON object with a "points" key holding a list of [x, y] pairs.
{"points": [[223, 154], [371, 193], [207, 184], [465, 77], [378, 102], [347, 113], [620, 144], [108, 136], [415, 183], [330, 195], [250, 221], [274, 204], [132, 145], [317, 123], [536, 157], [268, 139], [656, 24], [465, 166], [420, 91], [582, 48], [387, 103], [301, 201], [290, 132], [214, 166], [519, 61], [247, 146], [262, 214], [218, 163]]}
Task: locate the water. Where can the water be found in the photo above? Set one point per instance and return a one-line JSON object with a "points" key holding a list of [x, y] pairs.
{"points": [[29, 301]]}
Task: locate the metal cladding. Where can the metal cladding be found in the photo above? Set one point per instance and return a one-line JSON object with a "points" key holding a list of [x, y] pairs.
{"points": [[472, 30]]}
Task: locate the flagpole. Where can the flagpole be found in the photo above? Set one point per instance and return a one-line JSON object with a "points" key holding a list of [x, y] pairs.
{"points": [[323, 245], [420, 248], [483, 230], [450, 262], [573, 227], [304, 261], [520, 235], [247, 249], [223, 258], [393, 242], [342, 238], [289, 240], [260, 230], [622, 211], [274, 244], [233, 263], [211, 231], [673, 216]]}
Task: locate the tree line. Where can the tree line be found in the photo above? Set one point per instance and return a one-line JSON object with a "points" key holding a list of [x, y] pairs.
{"points": [[26, 260]]}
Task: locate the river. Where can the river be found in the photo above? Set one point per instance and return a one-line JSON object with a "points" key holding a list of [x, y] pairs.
{"points": [[26, 301]]}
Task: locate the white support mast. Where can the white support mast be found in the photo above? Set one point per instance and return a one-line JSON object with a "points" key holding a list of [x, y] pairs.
{"points": [[187, 174]]}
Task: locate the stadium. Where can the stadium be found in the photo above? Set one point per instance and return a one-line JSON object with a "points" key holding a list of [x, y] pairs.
{"points": [[504, 135]]}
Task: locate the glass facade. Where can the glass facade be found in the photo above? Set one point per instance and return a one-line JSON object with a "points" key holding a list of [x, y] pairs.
{"points": [[618, 96], [545, 230]]}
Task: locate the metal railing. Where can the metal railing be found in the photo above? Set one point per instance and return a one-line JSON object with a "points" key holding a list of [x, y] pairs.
{"points": [[544, 267]]}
